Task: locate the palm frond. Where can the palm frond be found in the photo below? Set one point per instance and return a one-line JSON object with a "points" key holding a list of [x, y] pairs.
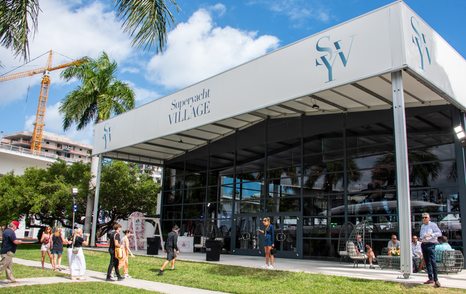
{"points": [[146, 21]]}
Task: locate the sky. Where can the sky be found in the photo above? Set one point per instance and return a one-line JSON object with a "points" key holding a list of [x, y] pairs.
{"points": [[208, 37]]}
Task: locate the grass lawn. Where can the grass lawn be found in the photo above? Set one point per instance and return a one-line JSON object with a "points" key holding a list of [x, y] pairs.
{"points": [[240, 279], [86, 287], [23, 271]]}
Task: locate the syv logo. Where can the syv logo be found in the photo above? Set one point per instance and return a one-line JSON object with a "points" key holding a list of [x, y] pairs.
{"points": [[333, 51], [419, 39], [107, 137]]}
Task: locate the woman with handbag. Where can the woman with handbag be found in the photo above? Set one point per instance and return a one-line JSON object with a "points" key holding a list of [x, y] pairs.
{"points": [[76, 258], [125, 253], [45, 247]]}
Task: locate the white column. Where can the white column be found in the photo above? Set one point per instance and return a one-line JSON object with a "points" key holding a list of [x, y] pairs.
{"points": [[95, 217], [402, 173]]}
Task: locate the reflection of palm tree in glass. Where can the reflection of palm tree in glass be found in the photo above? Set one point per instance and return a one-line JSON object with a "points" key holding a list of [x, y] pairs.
{"points": [[332, 173], [384, 169]]}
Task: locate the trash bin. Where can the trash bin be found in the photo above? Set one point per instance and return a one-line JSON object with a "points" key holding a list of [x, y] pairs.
{"points": [[213, 249], [153, 245]]}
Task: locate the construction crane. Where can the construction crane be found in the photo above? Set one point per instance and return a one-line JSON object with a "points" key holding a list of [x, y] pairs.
{"points": [[36, 141]]}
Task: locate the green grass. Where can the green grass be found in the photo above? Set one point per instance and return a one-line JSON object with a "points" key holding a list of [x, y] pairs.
{"points": [[23, 271], [86, 287], [241, 279]]}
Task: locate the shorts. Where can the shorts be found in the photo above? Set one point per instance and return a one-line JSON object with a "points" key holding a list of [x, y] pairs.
{"points": [[45, 247], [170, 254], [58, 252]]}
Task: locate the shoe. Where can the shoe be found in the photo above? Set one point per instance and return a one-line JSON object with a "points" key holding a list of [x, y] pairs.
{"points": [[437, 284], [172, 269], [429, 282], [127, 276], [121, 278], [266, 266], [13, 281], [372, 267], [160, 273], [271, 267], [109, 279]]}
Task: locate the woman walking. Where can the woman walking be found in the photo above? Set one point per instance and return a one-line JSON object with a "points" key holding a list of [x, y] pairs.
{"points": [[123, 262], [76, 258], [46, 245], [57, 248], [269, 237]]}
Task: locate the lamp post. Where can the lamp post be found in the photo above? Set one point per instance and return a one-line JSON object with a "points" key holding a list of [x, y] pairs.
{"points": [[74, 192]]}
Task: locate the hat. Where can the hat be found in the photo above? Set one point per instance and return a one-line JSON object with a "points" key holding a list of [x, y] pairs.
{"points": [[16, 223]]}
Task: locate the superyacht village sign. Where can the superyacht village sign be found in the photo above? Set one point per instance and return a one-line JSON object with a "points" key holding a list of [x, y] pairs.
{"points": [[190, 107]]}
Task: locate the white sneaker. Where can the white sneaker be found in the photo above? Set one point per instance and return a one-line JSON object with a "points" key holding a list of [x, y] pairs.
{"points": [[271, 267], [127, 276], [265, 266]]}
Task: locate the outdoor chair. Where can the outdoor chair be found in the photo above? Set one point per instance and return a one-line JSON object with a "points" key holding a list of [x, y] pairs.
{"points": [[452, 261], [354, 255]]}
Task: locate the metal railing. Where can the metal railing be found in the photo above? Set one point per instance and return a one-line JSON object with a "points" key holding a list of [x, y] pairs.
{"points": [[28, 151]]}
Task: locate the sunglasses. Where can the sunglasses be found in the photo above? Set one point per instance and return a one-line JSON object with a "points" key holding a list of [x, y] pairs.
{"points": [[425, 217]]}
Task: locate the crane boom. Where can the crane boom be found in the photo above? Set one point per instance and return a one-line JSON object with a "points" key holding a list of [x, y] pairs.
{"points": [[36, 142]]}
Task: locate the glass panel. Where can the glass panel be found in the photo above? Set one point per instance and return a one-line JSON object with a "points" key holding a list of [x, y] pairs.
{"points": [[172, 197], [195, 195], [213, 193], [283, 205], [249, 206], [225, 209], [318, 248], [193, 211], [433, 174], [195, 180], [246, 232], [171, 212], [286, 228]]}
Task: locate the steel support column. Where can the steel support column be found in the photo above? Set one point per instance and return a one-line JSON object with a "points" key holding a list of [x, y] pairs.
{"points": [[402, 173], [95, 217]]}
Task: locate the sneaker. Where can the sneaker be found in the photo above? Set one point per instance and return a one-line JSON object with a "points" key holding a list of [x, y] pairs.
{"points": [[108, 279], [160, 273], [437, 284], [121, 278], [266, 266], [271, 267], [127, 276], [429, 282]]}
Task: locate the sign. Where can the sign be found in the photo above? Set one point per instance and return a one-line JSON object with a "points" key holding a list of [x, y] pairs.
{"points": [[75, 207]]}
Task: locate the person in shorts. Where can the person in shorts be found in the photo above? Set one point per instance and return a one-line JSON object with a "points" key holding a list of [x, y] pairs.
{"points": [[171, 248], [269, 237], [46, 245], [57, 247]]}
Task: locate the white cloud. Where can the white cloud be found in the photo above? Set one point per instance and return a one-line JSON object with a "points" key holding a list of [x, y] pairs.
{"points": [[54, 124], [197, 49], [143, 95], [219, 8], [300, 12], [72, 31]]}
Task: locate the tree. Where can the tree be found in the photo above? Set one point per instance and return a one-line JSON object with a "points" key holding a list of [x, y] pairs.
{"points": [[125, 189], [99, 96], [145, 20]]}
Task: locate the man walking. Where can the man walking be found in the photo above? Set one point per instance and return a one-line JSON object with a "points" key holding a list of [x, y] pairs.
{"points": [[9, 250], [172, 248], [429, 235], [115, 240]]}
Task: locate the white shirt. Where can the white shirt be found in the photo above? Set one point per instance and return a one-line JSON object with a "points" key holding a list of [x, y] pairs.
{"points": [[416, 249], [432, 229]]}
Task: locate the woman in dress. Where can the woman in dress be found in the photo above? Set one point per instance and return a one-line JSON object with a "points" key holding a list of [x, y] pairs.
{"points": [[57, 248], [269, 237], [76, 258], [123, 262], [46, 245]]}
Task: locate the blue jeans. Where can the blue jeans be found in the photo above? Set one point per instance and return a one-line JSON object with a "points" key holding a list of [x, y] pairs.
{"points": [[428, 251]]}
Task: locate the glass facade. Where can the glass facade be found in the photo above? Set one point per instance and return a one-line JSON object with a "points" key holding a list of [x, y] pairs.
{"points": [[311, 175]]}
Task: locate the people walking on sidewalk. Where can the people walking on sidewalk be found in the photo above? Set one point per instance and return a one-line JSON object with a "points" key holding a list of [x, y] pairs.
{"points": [[171, 247], [9, 249], [123, 262], [269, 237], [115, 242], [429, 238], [57, 247], [46, 246], [76, 257]]}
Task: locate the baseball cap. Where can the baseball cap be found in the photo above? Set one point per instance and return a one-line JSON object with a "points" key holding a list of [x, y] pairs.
{"points": [[16, 223]]}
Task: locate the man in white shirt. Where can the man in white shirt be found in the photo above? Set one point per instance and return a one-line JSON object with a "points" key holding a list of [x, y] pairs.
{"points": [[429, 235], [416, 253]]}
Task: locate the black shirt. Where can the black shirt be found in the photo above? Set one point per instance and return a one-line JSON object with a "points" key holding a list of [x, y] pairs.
{"points": [[113, 236], [57, 243], [8, 245], [172, 240], [78, 241]]}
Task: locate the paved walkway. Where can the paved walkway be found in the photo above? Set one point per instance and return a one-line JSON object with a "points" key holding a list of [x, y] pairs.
{"points": [[93, 276]]}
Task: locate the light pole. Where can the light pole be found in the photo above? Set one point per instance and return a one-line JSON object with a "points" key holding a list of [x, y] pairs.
{"points": [[74, 192]]}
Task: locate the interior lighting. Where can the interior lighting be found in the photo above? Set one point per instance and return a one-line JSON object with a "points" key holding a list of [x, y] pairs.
{"points": [[459, 132]]}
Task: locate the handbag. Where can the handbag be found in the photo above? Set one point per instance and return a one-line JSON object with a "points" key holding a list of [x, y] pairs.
{"points": [[119, 252], [74, 250]]}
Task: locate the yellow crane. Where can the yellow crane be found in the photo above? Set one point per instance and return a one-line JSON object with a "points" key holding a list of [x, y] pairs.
{"points": [[36, 141]]}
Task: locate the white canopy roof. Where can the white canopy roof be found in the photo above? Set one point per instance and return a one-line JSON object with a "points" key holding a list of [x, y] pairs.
{"points": [[343, 69]]}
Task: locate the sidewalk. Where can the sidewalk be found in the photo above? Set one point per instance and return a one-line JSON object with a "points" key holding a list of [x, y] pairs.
{"points": [[93, 276]]}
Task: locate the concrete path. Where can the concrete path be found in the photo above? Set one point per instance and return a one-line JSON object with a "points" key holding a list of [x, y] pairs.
{"points": [[93, 276]]}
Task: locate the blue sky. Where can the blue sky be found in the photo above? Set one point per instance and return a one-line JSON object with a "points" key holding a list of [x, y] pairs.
{"points": [[208, 37]]}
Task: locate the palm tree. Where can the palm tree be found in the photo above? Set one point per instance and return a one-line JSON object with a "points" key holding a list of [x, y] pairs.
{"points": [[98, 97], [146, 22]]}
